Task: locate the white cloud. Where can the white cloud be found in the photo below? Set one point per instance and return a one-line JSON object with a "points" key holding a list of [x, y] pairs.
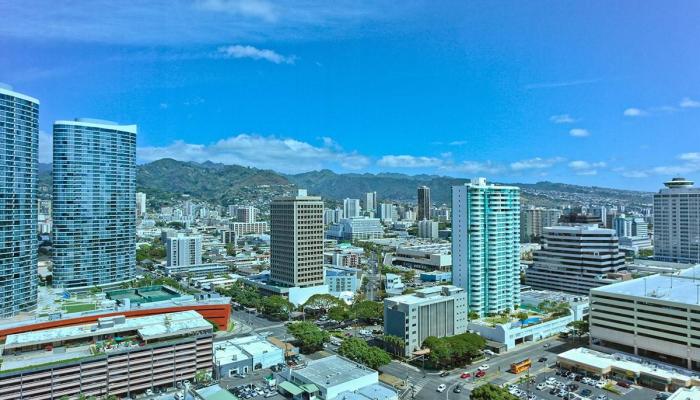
{"points": [[458, 143], [163, 106], [535, 163], [690, 163], [578, 132], [408, 161], [585, 167], [239, 51], [243, 8], [45, 147], [635, 174], [687, 102], [693, 157], [267, 152], [562, 119], [473, 167], [634, 112], [550, 85]]}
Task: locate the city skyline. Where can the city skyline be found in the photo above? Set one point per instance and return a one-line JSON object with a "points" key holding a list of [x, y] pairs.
{"points": [[612, 105]]}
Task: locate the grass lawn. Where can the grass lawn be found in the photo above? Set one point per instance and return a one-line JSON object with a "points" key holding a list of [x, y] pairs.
{"points": [[71, 308]]}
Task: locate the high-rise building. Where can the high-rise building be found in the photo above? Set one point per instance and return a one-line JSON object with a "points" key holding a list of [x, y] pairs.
{"points": [[19, 157], [351, 208], [575, 259], [534, 219], [428, 229], [183, 250], [94, 203], [387, 212], [371, 202], [140, 204], [246, 214], [486, 245], [296, 240], [677, 222], [424, 203]]}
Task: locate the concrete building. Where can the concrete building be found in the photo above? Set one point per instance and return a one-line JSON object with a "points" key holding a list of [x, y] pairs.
{"points": [[428, 229], [424, 203], [152, 351], [437, 311], [533, 299], [342, 279], [426, 257], [393, 285], [677, 222], [249, 228], [436, 276], [351, 208], [19, 143], [633, 232], [388, 212], [486, 245], [196, 270], [140, 204], [356, 229], [184, 250], [534, 219], [94, 203], [514, 332], [656, 317], [246, 214], [245, 354], [371, 202], [296, 247], [575, 259]]}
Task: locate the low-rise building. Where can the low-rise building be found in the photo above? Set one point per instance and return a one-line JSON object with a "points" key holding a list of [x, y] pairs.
{"points": [[247, 228], [359, 228], [656, 317], [436, 276], [436, 311], [513, 332], [117, 356], [245, 354], [534, 299], [196, 270], [393, 285], [426, 257]]}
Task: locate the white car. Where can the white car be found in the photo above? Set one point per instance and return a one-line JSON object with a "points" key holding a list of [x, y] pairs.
{"points": [[512, 387], [441, 388], [179, 396], [541, 386], [149, 392], [483, 367], [600, 384], [601, 397], [586, 380]]}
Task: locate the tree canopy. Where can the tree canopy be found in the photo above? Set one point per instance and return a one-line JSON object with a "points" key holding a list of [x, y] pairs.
{"points": [[455, 350], [323, 302], [277, 306], [368, 310], [311, 338], [358, 350], [491, 392]]}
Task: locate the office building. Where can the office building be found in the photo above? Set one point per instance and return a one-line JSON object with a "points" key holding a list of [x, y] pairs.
{"points": [[438, 311], [152, 351], [371, 202], [486, 245], [677, 222], [633, 232], [140, 204], [575, 259], [356, 229], [183, 250], [19, 142], [351, 208], [388, 212], [424, 203], [249, 228], [94, 203], [428, 229], [246, 214], [329, 217], [656, 317], [534, 219], [426, 257], [296, 240], [229, 237], [342, 279]]}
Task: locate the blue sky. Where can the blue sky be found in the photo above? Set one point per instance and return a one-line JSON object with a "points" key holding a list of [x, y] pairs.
{"points": [[604, 93]]}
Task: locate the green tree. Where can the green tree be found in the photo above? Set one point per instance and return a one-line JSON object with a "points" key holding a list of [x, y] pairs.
{"points": [[339, 313], [473, 315], [395, 344], [368, 311], [358, 350], [521, 316], [277, 306], [230, 249], [491, 392], [323, 302], [310, 337]]}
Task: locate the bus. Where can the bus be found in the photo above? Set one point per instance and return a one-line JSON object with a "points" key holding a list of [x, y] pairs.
{"points": [[521, 366]]}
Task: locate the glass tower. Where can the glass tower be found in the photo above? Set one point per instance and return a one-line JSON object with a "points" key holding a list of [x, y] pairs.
{"points": [[94, 194], [19, 158], [486, 245]]}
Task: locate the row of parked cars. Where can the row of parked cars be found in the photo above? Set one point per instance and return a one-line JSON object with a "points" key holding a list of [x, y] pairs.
{"points": [[250, 391]]}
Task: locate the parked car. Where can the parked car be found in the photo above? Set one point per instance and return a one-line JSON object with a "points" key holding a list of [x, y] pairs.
{"points": [[465, 375], [586, 392], [457, 389], [541, 386], [623, 384], [444, 373], [542, 359], [483, 367], [441, 388]]}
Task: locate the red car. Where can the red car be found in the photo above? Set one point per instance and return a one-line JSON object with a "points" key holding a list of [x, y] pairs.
{"points": [[623, 384], [480, 374], [465, 375]]}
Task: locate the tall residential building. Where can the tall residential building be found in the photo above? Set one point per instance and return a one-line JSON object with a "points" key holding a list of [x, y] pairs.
{"points": [[677, 222], [183, 250], [428, 229], [486, 245], [439, 311], [371, 202], [19, 158], [246, 214], [534, 219], [575, 259], [140, 204], [296, 240], [387, 212], [655, 317], [94, 203], [351, 208], [424, 203]]}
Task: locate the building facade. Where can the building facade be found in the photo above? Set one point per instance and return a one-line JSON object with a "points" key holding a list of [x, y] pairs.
{"points": [[19, 157], [436, 311], [249, 228], [486, 245], [140, 204], [428, 229], [246, 214], [424, 203], [677, 222], [371, 202], [183, 250], [356, 229], [296, 240], [534, 219], [351, 208], [94, 203], [575, 259]]}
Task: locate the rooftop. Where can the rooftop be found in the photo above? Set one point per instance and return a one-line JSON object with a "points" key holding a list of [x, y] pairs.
{"points": [[422, 295], [332, 371], [682, 287], [146, 294]]}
